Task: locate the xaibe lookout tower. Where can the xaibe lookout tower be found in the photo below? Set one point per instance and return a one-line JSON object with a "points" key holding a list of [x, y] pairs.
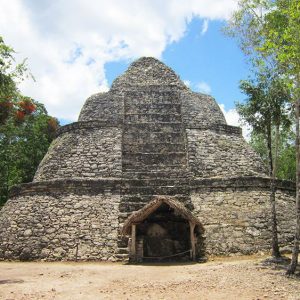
{"points": [[152, 163]]}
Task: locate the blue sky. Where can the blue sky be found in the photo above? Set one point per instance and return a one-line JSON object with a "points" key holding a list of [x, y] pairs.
{"points": [[210, 61], [76, 48]]}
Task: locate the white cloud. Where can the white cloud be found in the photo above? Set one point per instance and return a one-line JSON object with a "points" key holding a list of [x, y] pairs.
{"points": [[204, 27], [68, 42], [203, 87], [232, 118]]}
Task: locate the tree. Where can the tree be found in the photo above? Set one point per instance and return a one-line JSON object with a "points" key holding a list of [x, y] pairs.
{"points": [[282, 39], [265, 109], [286, 161], [245, 26], [271, 30], [26, 130]]}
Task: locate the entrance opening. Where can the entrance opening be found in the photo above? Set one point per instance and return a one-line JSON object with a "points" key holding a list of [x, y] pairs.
{"points": [[164, 230], [165, 235]]}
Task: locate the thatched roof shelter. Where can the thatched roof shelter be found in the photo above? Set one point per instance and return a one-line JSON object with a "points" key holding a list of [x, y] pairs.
{"points": [[140, 215]]}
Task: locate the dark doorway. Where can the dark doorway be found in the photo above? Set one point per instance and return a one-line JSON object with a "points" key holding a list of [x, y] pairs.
{"points": [[165, 235]]}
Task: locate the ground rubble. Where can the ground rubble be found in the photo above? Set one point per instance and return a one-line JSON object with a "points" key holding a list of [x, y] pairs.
{"points": [[220, 278]]}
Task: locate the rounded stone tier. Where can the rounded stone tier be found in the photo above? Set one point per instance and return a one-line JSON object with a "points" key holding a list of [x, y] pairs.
{"points": [[149, 74], [106, 107], [149, 136], [147, 71], [83, 153], [50, 220], [149, 125]]}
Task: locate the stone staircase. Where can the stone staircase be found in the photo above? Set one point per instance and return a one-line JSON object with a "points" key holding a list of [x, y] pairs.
{"points": [[154, 158]]}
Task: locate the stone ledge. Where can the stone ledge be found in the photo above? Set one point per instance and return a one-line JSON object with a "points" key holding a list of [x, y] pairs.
{"points": [[62, 186], [86, 125], [219, 128], [114, 185], [242, 182]]}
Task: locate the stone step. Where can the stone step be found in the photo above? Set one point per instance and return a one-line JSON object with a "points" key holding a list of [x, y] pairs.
{"points": [[156, 171], [152, 108], [153, 127], [157, 174], [153, 148], [158, 190], [122, 250], [166, 181], [137, 118], [142, 198], [154, 114], [151, 98], [152, 137], [135, 167], [122, 257], [165, 159], [154, 164]]}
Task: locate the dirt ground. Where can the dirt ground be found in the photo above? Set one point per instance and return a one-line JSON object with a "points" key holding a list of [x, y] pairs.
{"points": [[226, 278]]}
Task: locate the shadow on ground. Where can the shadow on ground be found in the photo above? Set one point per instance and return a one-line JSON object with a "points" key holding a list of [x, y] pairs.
{"points": [[10, 281]]}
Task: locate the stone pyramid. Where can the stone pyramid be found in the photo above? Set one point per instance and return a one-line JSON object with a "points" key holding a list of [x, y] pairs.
{"points": [[148, 137]]}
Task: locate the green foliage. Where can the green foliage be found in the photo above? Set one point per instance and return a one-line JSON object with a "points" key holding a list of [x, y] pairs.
{"points": [[269, 95], [246, 26], [26, 130], [274, 41], [268, 32], [267, 103], [282, 34], [286, 163], [11, 74], [267, 110]]}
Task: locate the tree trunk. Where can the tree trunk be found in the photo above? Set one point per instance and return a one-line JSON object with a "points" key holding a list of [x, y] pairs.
{"points": [[275, 247], [294, 262]]}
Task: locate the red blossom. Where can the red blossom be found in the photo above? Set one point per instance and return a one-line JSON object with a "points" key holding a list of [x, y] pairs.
{"points": [[6, 104], [20, 115], [27, 106]]}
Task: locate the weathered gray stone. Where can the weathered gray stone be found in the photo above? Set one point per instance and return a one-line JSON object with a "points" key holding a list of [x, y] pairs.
{"points": [[148, 136], [28, 232]]}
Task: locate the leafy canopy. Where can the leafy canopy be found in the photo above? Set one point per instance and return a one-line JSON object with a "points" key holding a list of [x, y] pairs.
{"points": [[26, 130]]}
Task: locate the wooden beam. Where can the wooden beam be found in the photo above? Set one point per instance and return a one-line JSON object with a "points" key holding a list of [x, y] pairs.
{"points": [[192, 238], [133, 241]]}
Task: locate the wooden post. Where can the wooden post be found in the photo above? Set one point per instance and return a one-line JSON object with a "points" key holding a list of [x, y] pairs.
{"points": [[192, 237], [133, 241]]}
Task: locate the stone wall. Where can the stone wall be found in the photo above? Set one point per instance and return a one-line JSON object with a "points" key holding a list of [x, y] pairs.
{"points": [[148, 136], [154, 148], [214, 154], [237, 219], [50, 225], [83, 153], [153, 137], [147, 71], [200, 110], [105, 107]]}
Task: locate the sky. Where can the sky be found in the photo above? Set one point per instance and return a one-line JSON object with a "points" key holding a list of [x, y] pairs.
{"points": [[75, 48]]}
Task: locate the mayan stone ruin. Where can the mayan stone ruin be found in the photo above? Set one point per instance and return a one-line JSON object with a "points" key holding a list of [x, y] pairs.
{"points": [[151, 170]]}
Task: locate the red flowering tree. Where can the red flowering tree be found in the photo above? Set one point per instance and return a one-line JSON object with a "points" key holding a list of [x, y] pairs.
{"points": [[26, 130]]}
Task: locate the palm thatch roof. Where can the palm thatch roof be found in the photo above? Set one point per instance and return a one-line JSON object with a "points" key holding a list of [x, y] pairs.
{"points": [[140, 215]]}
